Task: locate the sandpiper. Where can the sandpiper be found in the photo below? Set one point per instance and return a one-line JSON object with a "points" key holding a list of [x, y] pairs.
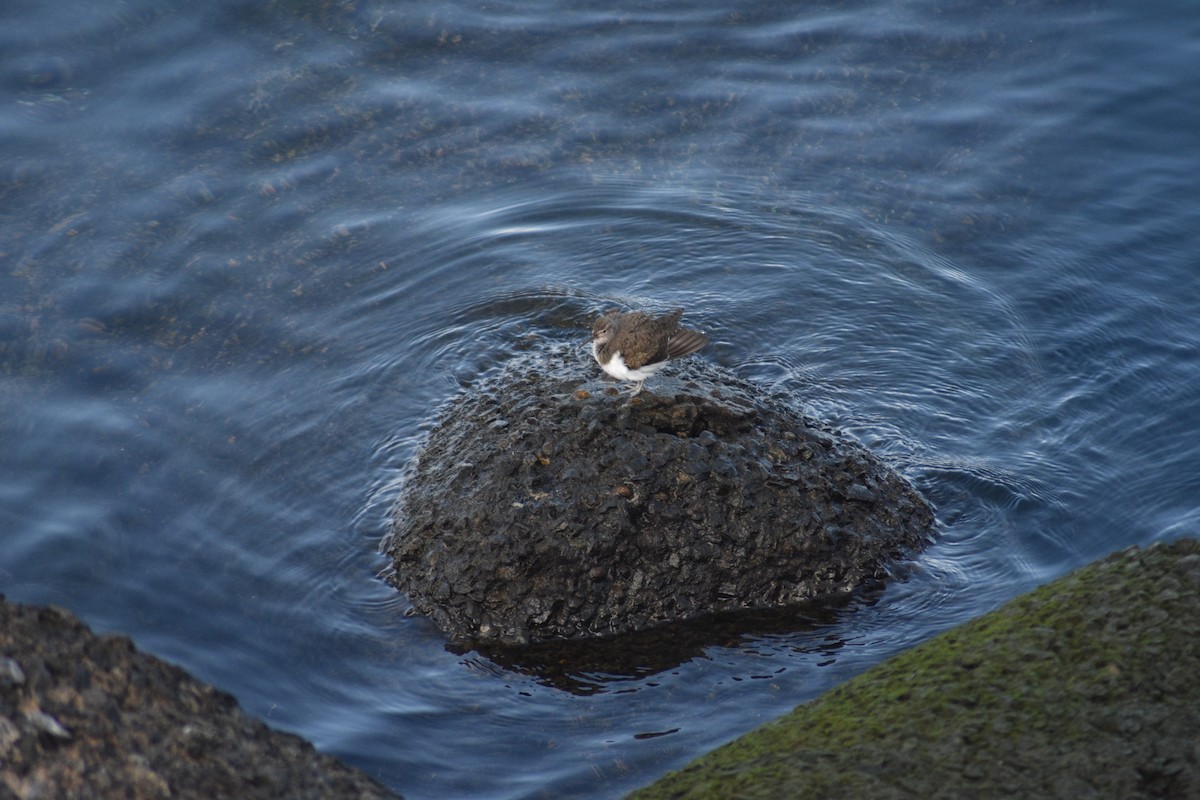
{"points": [[632, 346]]}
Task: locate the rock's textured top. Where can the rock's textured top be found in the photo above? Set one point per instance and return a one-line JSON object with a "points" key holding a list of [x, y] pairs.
{"points": [[548, 505], [1085, 687], [85, 716]]}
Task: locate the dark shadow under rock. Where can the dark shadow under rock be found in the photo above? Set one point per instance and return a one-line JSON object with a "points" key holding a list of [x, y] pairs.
{"points": [[89, 716], [597, 665], [548, 505]]}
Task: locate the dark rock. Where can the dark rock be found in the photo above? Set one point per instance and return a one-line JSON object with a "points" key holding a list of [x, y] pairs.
{"points": [[89, 716], [591, 513]]}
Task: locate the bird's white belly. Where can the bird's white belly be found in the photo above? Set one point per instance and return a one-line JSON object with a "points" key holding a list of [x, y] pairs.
{"points": [[616, 367]]}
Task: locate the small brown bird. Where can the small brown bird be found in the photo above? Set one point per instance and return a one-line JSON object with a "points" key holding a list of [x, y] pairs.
{"points": [[632, 346]]}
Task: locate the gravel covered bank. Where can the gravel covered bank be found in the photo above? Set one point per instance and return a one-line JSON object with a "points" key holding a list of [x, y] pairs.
{"points": [[86, 716]]}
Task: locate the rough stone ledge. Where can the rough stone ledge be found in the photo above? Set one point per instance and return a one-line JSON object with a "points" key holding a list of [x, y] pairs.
{"points": [[1086, 687], [86, 716], [547, 505]]}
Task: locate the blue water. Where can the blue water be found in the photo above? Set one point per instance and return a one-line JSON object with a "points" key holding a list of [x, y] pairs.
{"points": [[247, 250]]}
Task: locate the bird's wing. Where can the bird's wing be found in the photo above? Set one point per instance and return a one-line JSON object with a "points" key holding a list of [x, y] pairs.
{"points": [[639, 354], [685, 342]]}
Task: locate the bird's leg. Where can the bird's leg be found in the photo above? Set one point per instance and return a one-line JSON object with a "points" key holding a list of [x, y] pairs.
{"points": [[637, 388]]}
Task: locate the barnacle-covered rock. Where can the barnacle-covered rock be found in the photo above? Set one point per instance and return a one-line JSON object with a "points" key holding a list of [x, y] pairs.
{"points": [[549, 504]]}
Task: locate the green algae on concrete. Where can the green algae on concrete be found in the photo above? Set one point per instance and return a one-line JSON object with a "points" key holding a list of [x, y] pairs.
{"points": [[1086, 687]]}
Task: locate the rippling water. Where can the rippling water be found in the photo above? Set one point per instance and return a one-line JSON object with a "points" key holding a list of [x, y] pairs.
{"points": [[248, 250]]}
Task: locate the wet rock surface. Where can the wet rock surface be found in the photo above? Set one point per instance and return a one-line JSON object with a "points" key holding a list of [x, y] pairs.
{"points": [[86, 716], [548, 504], [1085, 687]]}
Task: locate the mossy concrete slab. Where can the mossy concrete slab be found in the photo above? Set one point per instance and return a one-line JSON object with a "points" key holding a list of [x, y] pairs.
{"points": [[1086, 687]]}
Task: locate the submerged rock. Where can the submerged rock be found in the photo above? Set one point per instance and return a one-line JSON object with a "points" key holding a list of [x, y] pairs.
{"points": [[548, 505]]}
